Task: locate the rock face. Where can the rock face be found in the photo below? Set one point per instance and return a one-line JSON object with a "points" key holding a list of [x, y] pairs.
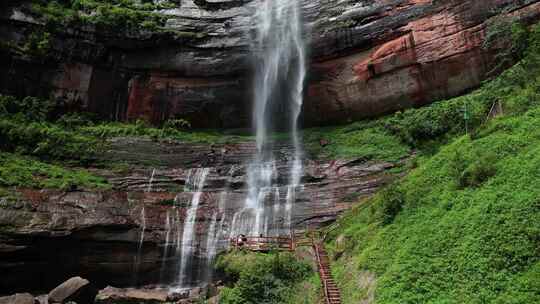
{"points": [[368, 58], [131, 234]]}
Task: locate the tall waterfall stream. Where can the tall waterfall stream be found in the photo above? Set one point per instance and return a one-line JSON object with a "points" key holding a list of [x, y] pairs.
{"points": [[279, 55]]}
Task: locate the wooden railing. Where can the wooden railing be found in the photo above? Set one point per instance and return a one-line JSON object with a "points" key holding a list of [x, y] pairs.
{"points": [[263, 243], [332, 294]]}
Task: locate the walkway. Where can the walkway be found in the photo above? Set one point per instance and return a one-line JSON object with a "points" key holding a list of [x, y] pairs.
{"points": [[263, 244], [332, 294], [331, 291]]}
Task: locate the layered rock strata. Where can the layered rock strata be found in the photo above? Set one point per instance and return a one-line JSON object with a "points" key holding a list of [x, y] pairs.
{"points": [[368, 58], [47, 236]]}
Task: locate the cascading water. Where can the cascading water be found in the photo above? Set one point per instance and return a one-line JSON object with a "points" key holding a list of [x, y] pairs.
{"points": [[195, 182], [280, 56], [278, 86]]}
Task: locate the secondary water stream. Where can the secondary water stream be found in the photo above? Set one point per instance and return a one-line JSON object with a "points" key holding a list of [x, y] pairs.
{"points": [[195, 182]]}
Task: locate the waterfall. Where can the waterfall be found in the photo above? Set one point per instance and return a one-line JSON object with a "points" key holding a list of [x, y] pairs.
{"points": [[149, 189], [168, 230], [143, 224], [140, 245], [194, 182], [211, 240], [280, 57]]}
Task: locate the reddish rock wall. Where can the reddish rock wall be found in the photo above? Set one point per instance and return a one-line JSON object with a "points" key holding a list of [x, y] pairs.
{"points": [[368, 58], [435, 57]]}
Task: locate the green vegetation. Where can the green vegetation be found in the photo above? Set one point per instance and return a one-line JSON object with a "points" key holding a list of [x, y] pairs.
{"points": [[509, 37], [169, 131], [116, 14], [38, 44], [20, 171], [24, 129], [30, 127], [462, 227], [359, 140], [261, 278], [306, 292]]}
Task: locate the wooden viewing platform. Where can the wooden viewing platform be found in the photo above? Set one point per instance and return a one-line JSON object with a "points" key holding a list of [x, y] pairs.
{"points": [[263, 243], [331, 292]]}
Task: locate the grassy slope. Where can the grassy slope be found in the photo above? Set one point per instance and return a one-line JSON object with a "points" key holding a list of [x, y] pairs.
{"points": [[360, 140], [463, 226]]}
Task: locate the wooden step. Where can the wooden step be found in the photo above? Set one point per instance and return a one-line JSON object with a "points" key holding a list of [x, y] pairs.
{"points": [[332, 292]]}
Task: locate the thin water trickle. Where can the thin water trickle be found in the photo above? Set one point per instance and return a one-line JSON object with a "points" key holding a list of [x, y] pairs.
{"points": [[140, 245], [149, 189], [168, 230], [211, 239], [195, 182]]}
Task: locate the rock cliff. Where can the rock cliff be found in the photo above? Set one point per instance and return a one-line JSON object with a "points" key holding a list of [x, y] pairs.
{"points": [[48, 236], [368, 57]]}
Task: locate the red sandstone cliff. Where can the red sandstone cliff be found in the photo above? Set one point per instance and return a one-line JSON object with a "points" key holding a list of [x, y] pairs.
{"points": [[368, 58]]}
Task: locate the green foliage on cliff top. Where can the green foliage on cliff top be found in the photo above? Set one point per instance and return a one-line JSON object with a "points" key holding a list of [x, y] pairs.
{"points": [[260, 278], [45, 140], [463, 226], [115, 14]]}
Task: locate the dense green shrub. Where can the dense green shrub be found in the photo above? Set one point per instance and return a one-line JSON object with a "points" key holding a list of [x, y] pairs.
{"points": [[260, 278], [30, 108], [481, 169], [45, 140], [38, 44], [391, 201], [73, 121]]}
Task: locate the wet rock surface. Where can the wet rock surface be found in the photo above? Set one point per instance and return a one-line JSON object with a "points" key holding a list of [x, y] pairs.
{"points": [[368, 58], [48, 236]]}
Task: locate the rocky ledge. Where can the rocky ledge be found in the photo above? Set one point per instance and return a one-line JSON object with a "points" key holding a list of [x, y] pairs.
{"points": [[113, 237]]}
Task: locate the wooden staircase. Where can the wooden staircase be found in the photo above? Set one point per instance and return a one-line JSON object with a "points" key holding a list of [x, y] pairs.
{"points": [[332, 294]]}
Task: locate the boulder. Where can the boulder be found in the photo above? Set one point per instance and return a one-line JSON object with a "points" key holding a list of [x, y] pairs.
{"points": [[112, 295], [76, 289], [19, 298]]}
